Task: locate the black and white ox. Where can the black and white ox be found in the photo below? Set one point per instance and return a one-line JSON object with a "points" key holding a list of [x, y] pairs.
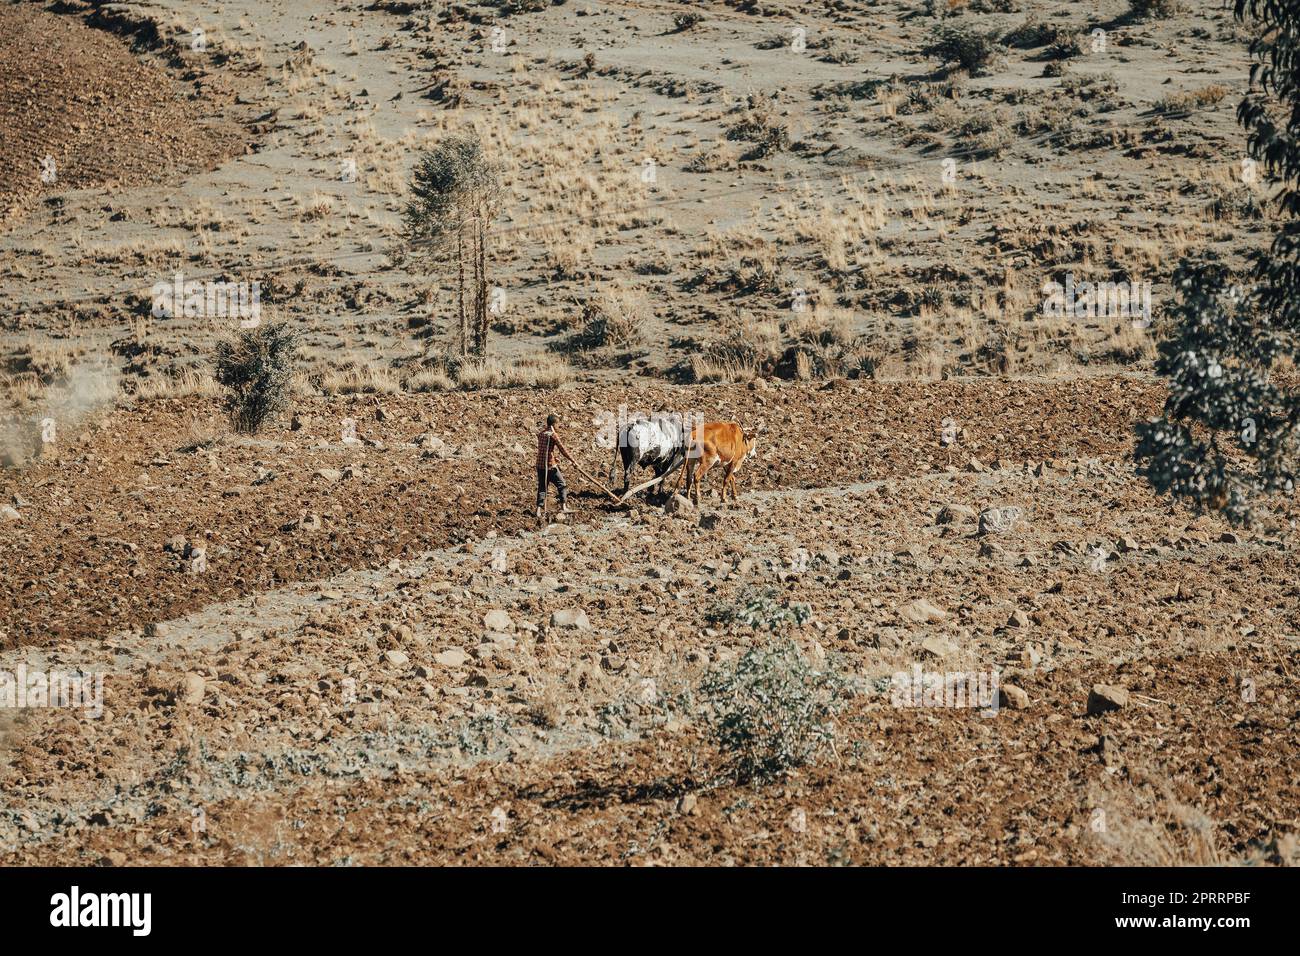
{"points": [[658, 442]]}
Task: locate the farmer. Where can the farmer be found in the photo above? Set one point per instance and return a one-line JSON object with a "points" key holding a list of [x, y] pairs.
{"points": [[548, 443]]}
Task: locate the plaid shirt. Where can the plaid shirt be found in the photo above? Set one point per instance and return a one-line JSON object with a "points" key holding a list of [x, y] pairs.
{"points": [[547, 442]]}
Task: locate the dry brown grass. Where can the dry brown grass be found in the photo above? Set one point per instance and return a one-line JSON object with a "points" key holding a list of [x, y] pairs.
{"points": [[1145, 824], [745, 348], [538, 371], [1201, 98], [358, 378], [428, 380], [188, 382]]}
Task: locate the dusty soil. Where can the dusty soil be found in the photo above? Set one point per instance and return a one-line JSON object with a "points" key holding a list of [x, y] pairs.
{"points": [[351, 703], [89, 550], [77, 95], [1109, 170]]}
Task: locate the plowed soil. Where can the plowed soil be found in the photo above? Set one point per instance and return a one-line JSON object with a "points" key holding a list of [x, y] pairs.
{"points": [[339, 695], [80, 97]]}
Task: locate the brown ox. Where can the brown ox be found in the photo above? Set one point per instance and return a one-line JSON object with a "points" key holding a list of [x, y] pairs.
{"points": [[713, 443]]}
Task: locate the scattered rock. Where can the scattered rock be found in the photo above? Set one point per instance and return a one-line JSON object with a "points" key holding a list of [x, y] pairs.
{"points": [[9, 513], [1018, 618], [1106, 697], [307, 522], [1013, 697], [570, 617], [454, 657], [498, 620], [936, 646], [433, 445], [679, 504], [921, 611], [954, 514], [998, 520], [397, 658], [192, 689]]}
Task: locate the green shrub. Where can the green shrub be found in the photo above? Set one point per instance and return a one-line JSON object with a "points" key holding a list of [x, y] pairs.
{"points": [[761, 610], [771, 711], [1227, 433], [970, 49], [256, 366], [1153, 9]]}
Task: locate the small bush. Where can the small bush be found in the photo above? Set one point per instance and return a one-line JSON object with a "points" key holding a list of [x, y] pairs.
{"points": [[761, 611], [835, 51], [719, 157], [1153, 9], [1096, 89], [1066, 46], [614, 320], [821, 326], [1030, 34], [746, 349], [761, 127], [1211, 95], [685, 21], [970, 49], [771, 711], [979, 130], [256, 367]]}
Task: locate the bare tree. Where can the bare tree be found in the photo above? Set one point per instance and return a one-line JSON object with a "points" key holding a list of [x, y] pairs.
{"points": [[455, 192]]}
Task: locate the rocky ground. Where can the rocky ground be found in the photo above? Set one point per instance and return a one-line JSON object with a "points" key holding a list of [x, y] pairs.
{"points": [[76, 113], [464, 686]]}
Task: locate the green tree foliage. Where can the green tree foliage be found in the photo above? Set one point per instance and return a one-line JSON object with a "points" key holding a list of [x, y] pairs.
{"points": [[454, 195], [256, 368], [771, 710], [1228, 430]]}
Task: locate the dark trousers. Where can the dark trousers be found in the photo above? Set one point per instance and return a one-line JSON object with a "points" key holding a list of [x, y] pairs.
{"points": [[551, 477]]}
